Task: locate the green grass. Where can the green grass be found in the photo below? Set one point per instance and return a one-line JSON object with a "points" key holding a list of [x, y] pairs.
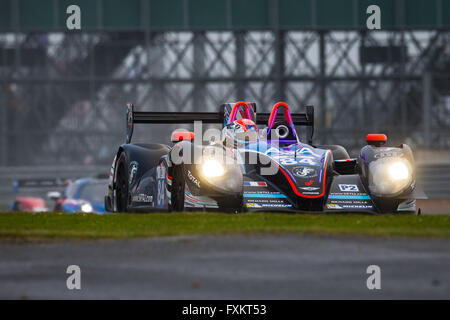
{"points": [[89, 226]]}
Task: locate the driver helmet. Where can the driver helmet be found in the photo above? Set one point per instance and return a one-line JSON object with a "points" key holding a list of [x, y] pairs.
{"points": [[240, 132]]}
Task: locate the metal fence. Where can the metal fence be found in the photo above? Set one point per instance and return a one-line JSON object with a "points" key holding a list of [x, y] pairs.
{"points": [[66, 104]]}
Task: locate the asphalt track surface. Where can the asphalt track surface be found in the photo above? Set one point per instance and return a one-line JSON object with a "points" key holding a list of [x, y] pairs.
{"points": [[227, 267]]}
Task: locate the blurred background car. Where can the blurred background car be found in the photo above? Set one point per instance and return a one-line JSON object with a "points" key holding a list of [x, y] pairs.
{"points": [[29, 194], [28, 204], [83, 195]]}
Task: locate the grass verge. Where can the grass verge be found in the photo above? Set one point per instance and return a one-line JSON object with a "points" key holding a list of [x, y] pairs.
{"points": [[90, 226]]}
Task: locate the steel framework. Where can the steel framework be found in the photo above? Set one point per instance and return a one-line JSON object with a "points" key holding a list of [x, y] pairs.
{"points": [[63, 94]]}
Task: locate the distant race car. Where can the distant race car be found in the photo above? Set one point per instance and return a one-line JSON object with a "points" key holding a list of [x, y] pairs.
{"points": [[29, 192], [259, 169], [82, 195], [28, 204]]}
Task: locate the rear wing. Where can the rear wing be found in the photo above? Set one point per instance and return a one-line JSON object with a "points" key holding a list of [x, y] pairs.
{"points": [[299, 119]]}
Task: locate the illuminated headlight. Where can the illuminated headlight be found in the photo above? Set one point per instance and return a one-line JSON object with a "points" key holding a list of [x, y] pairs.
{"points": [[389, 176], [212, 168], [86, 207], [398, 171]]}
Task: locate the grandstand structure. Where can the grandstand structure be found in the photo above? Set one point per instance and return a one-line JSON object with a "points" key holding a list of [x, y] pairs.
{"points": [[63, 92]]}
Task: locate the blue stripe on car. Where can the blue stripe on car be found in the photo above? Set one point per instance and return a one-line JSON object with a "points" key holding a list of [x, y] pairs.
{"points": [[348, 197], [262, 195]]}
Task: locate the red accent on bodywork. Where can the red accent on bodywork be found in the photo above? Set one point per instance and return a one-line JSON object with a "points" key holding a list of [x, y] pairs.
{"points": [[181, 135], [376, 137], [287, 115], [245, 123], [236, 108], [287, 111], [30, 203]]}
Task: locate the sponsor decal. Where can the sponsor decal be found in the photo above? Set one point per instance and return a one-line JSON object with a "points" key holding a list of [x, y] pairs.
{"points": [[351, 201], [333, 206], [267, 200], [264, 192], [161, 177], [349, 206], [252, 205], [388, 153], [348, 188], [132, 171], [277, 151], [357, 206], [193, 179], [275, 205], [142, 198], [310, 182], [268, 205], [296, 161], [255, 184], [304, 172], [160, 171], [310, 192], [309, 188]]}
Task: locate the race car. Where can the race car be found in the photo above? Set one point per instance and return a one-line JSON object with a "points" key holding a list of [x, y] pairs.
{"points": [[82, 195], [28, 204], [29, 192], [248, 168]]}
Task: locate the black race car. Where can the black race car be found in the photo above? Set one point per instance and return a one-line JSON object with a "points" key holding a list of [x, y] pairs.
{"points": [[246, 168]]}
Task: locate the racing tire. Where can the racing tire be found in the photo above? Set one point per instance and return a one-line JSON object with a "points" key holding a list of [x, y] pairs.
{"points": [[177, 190], [122, 196]]}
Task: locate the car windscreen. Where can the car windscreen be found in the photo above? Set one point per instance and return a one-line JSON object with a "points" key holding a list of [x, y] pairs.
{"points": [[94, 192]]}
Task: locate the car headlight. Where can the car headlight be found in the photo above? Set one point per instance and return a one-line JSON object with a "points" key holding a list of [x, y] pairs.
{"points": [[212, 168], [398, 171], [86, 207], [389, 176]]}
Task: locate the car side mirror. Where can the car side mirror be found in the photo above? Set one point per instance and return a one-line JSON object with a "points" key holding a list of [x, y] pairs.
{"points": [[376, 139], [54, 195]]}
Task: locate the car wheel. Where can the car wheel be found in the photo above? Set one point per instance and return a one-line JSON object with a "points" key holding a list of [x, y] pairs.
{"points": [[177, 190], [122, 184]]}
